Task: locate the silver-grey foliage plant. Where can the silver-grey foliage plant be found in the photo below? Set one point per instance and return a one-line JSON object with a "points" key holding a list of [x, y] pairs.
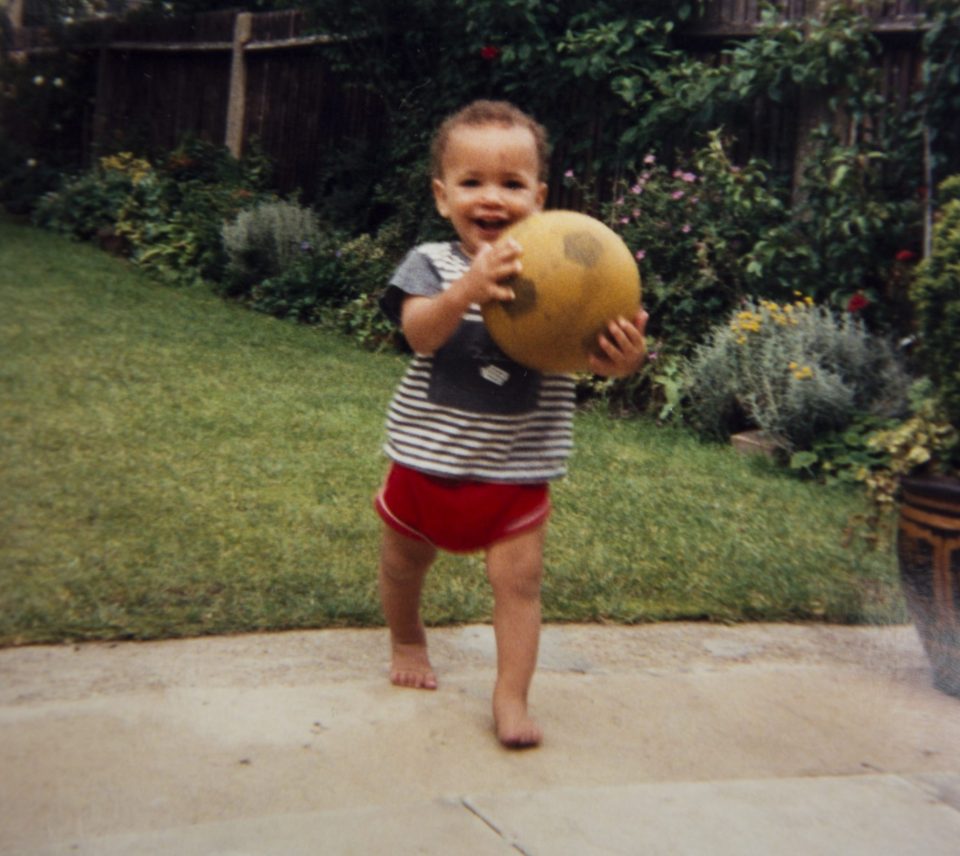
{"points": [[795, 371], [266, 240]]}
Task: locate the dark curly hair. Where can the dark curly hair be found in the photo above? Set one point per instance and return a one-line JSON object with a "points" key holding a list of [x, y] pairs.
{"points": [[489, 113]]}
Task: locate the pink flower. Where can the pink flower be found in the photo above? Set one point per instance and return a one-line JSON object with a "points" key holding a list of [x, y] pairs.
{"points": [[649, 159], [489, 52], [641, 255], [689, 177], [905, 256], [635, 213], [677, 194], [568, 174], [685, 228], [637, 189], [624, 220]]}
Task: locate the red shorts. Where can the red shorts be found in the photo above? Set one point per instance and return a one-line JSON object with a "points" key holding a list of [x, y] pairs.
{"points": [[459, 515]]}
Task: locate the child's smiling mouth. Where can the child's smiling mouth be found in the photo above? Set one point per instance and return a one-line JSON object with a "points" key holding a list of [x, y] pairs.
{"points": [[491, 225]]}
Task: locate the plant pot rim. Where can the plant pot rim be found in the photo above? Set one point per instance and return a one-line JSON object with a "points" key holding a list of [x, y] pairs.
{"points": [[934, 485]]}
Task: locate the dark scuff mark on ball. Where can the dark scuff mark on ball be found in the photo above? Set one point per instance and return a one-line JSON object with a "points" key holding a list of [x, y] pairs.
{"points": [[582, 248], [525, 296]]}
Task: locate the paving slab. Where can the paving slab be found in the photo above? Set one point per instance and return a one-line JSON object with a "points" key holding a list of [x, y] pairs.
{"points": [[106, 745], [853, 816], [441, 827]]}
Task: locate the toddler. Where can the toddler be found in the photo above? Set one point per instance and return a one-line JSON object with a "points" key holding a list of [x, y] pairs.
{"points": [[474, 438]]}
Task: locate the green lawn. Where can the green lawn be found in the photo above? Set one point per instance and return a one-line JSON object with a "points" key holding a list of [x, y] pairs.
{"points": [[175, 465]]}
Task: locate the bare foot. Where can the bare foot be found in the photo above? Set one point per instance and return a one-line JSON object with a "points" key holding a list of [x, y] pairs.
{"points": [[410, 667], [516, 729]]}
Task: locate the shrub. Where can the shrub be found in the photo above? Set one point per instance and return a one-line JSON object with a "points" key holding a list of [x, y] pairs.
{"points": [[364, 322], [851, 222], [332, 274], [265, 241], [794, 370], [298, 291], [168, 216], [201, 185], [89, 203], [692, 229], [936, 295]]}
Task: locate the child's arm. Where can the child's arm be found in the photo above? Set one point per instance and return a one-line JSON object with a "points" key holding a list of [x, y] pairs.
{"points": [[624, 348], [428, 322]]}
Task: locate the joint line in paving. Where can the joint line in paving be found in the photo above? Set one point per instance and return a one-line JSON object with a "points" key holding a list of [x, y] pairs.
{"points": [[469, 806]]}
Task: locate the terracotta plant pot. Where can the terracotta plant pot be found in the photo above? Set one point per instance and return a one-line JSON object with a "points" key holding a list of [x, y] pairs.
{"points": [[928, 547]]}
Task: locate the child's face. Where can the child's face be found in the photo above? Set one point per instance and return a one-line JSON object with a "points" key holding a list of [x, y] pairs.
{"points": [[490, 180]]}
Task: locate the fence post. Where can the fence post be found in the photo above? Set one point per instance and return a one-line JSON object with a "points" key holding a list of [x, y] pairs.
{"points": [[237, 99], [15, 13]]}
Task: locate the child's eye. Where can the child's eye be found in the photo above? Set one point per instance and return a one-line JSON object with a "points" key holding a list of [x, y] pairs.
{"points": [[515, 185], [469, 182]]}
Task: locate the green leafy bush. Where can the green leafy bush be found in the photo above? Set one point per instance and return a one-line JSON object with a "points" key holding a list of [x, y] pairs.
{"points": [[936, 295], [850, 219], [693, 230], [923, 443], [335, 280], [173, 222], [91, 202], [795, 370], [167, 216], [845, 455]]}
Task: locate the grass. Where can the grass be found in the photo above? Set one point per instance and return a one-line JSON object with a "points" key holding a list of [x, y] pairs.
{"points": [[175, 465]]}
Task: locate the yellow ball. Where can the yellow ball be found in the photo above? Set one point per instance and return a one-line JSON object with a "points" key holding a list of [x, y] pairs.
{"points": [[577, 276]]}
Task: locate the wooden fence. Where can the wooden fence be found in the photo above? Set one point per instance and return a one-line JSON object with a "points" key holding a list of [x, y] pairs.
{"points": [[233, 77]]}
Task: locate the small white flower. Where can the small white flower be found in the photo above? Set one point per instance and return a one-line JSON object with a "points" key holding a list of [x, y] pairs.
{"points": [[31, 162], [39, 80], [58, 82]]}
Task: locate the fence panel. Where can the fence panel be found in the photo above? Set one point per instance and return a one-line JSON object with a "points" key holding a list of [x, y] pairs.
{"points": [[298, 110], [150, 99]]}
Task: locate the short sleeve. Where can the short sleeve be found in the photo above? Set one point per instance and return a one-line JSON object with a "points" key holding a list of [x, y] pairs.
{"points": [[415, 275]]}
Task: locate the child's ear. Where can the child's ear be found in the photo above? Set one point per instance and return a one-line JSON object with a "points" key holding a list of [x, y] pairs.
{"points": [[440, 197], [541, 196]]}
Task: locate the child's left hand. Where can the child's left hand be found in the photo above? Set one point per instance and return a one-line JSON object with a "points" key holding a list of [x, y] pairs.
{"points": [[623, 348]]}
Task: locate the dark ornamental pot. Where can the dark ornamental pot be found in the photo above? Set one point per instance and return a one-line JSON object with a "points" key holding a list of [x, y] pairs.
{"points": [[928, 548]]}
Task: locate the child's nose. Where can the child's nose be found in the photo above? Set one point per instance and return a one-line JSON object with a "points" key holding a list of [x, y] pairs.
{"points": [[491, 195]]}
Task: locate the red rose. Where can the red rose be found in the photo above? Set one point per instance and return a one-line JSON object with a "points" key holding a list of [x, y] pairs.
{"points": [[489, 52], [905, 256], [858, 302]]}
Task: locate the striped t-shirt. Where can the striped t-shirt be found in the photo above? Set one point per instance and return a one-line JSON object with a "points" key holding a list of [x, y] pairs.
{"points": [[468, 410]]}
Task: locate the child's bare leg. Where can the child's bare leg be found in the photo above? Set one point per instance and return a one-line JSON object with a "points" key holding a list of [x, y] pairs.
{"points": [[403, 565], [515, 568]]}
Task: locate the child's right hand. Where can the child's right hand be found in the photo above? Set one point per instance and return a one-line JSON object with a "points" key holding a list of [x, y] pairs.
{"points": [[492, 264], [428, 322]]}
